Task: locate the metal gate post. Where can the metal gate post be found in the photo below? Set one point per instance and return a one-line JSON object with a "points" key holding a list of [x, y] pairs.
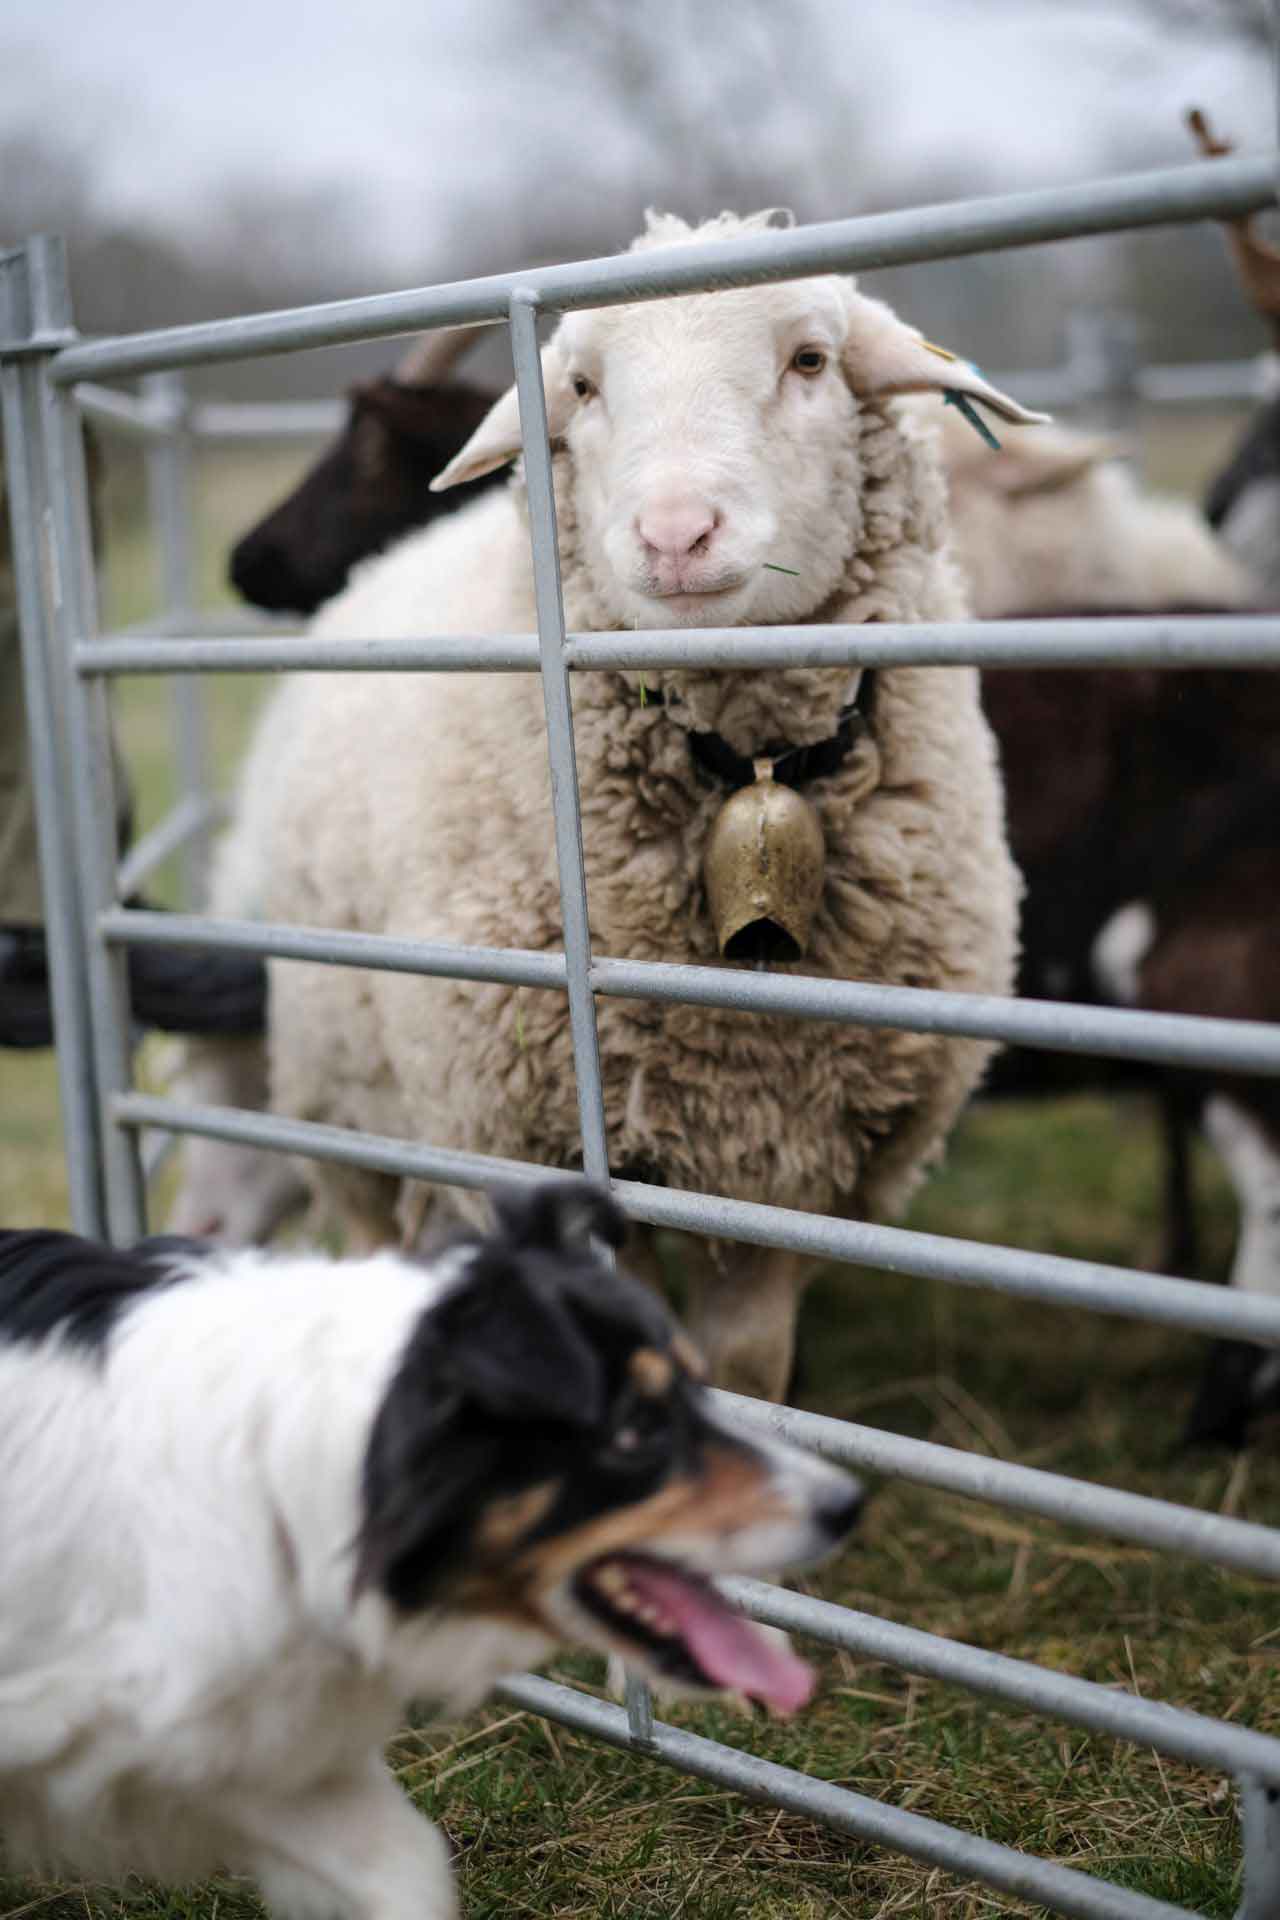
{"points": [[169, 489], [89, 746], [565, 793], [1260, 1824], [27, 339]]}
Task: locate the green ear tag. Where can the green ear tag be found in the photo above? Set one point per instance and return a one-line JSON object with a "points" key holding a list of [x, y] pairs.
{"points": [[952, 397]]}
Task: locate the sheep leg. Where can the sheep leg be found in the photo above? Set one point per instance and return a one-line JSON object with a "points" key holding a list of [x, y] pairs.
{"points": [[1180, 1247], [230, 1193], [1241, 1382], [364, 1207], [412, 1211], [745, 1320]]}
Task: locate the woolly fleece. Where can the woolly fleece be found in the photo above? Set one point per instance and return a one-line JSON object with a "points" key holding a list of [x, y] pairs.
{"points": [[419, 806]]}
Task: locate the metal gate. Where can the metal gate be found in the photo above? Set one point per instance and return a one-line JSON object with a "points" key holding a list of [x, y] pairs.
{"points": [[67, 664]]}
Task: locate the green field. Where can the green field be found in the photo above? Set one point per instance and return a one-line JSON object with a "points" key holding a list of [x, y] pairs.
{"points": [[545, 1823]]}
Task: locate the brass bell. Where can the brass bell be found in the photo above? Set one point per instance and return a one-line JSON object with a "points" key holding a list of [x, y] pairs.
{"points": [[764, 870]]}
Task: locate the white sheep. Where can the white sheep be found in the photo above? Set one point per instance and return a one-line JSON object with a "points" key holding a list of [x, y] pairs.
{"points": [[722, 459], [1055, 522]]}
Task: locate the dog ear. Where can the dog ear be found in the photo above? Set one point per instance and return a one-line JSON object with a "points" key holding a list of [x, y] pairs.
{"points": [[507, 1348], [422, 1480], [493, 1350], [559, 1216]]}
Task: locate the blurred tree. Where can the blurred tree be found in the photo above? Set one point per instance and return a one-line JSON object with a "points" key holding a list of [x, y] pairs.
{"points": [[259, 244], [737, 103], [708, 103]]}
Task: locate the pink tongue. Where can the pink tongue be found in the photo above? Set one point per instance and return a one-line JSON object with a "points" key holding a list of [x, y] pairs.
{"points": [[732, 1652]]}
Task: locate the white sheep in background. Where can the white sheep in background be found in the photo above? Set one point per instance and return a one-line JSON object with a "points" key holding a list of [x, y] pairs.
{"points": [[1056, 522], [722, 459]]}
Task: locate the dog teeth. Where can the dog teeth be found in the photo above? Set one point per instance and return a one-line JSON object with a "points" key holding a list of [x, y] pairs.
{"points": [[612, 1582]]}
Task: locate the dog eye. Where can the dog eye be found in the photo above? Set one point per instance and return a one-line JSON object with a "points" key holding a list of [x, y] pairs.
{"points": [[642, 1430], [808, 360], [582, 386]]}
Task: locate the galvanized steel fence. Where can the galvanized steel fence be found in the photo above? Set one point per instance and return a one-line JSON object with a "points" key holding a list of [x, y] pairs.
{"points": [[67, 665]]}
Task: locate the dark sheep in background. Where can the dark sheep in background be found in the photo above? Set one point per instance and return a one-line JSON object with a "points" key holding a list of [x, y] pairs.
{"points": [[1143, 807], [371, 485]]}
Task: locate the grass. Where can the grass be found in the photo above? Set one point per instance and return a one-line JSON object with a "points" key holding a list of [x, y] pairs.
{"points": [[545, 1822]]}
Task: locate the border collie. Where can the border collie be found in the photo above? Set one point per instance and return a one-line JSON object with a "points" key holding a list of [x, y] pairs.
{"points": [[251, 1505]]}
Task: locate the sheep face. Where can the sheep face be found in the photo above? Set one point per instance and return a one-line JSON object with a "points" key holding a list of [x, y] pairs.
{"points": [[712, 442], [708, 439]]}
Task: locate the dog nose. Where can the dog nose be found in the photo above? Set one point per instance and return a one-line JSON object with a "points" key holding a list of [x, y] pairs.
{"points": [[838, 1513], [673, 529]]}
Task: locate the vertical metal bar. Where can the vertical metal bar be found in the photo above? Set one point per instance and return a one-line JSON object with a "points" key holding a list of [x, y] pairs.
{"points": [[36, 581], [639, 1705], [169, 486], [565, 798], [1260, 1821], [89, 745], [556, 698]]}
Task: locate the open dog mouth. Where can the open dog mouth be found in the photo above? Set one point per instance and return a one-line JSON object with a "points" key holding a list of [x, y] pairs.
{"points": [[684, 1628]]}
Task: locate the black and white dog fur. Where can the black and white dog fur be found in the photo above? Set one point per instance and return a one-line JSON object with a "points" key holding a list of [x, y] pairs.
{"points": [[251, 1505]]}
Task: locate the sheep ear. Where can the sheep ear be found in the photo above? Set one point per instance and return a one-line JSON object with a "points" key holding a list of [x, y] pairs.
{"points": [[497, 439], [882, 355], [1047, 462]]}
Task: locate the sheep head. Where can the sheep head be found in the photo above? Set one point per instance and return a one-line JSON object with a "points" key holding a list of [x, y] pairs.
{"points": [[713, 438]]}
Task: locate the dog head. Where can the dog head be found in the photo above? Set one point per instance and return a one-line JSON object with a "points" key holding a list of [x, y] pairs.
{"points": [[546, 1457]]}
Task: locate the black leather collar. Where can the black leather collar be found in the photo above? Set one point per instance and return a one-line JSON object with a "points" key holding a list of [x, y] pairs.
{"points": [[793, 766]]}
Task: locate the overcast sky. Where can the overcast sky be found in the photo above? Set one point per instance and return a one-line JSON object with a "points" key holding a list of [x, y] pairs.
{"points": [[415, 101]]}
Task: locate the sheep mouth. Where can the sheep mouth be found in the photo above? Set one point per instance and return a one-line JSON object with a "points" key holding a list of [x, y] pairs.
{"points": [[690, 597], [684, 1629]]}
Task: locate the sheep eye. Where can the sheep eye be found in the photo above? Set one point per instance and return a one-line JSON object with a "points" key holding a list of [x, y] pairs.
{"points": [[582, 386], [808, 360]]}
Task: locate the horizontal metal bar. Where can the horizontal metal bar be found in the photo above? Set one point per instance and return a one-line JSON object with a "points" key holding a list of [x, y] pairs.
{"points": [[310, 1138], [267, 419], [1025, 1275], [1135, 1517], [192, 816], [446, 653], [1063, 1889], [1156, 640], [1183, 640], [514, 966], [41, 341], [229, 625], [1214, 189], [1168, 1039], [1193, 1737], [121, 412], [1201, 383], [1050, 1278], [1184, 383], [1177, 383]]}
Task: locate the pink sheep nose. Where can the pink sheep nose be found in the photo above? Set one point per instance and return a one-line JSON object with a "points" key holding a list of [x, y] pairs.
{"points": [[674, 528]]}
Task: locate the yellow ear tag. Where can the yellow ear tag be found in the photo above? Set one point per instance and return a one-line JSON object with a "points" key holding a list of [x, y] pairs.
{"points": [[952, 398]]}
